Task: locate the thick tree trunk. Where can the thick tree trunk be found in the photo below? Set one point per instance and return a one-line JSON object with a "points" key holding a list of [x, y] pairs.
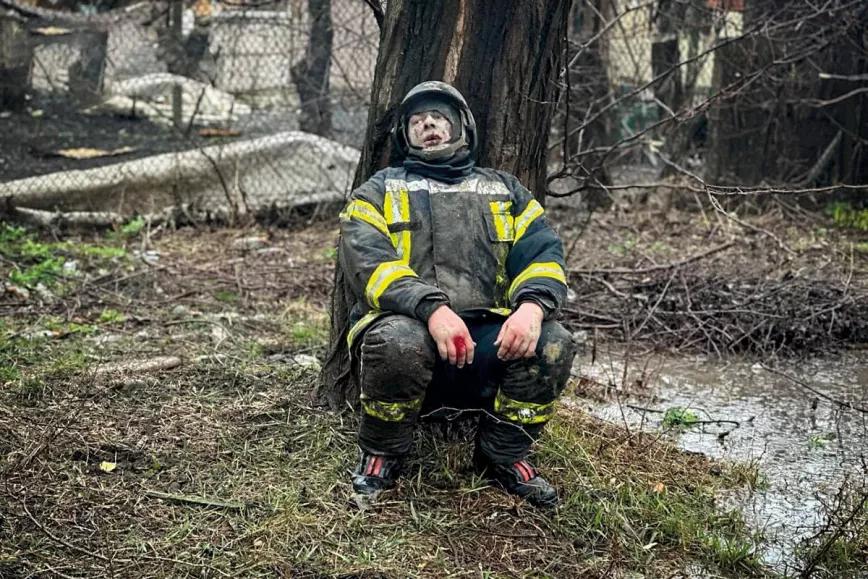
{"points": [[505, 59], [311, 74]]}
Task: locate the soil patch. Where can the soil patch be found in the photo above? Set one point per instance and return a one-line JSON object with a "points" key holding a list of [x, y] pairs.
{"points": [[30, 139]]}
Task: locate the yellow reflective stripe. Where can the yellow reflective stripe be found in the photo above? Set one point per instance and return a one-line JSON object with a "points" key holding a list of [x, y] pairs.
{"points": [[366, 212], [392, 210], [404, 246], [385, 274], [405, 240], [500, 311], [397, 210], [390, 411], [503, 220], [523, 412], [360, 326], [524, 220], [549, 269]]}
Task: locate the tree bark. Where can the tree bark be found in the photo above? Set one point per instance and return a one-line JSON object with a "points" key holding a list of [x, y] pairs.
{"points": [[311, 74], [505, 59]]}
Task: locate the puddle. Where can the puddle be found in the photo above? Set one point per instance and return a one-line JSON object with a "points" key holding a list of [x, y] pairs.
{"points": [[805, 444]]}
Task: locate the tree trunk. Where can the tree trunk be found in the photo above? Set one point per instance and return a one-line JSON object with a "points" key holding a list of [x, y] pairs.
{"points": [[665, 55], [16, 55], [87, 74], [505, 59], [590, 89], [798, 125], [311, 74]]}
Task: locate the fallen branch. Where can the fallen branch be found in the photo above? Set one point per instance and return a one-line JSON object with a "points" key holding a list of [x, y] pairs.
{"points": [[139, 366], [59, 219], [663, 267], [204, 501], [809, 388]]}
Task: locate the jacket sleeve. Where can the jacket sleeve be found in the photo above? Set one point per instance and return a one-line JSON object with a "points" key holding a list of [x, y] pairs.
{"points": [[370, 261], [535, 264]]}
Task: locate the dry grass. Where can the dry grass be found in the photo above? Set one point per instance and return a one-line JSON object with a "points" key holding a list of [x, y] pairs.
{"points": [[232, 426]]}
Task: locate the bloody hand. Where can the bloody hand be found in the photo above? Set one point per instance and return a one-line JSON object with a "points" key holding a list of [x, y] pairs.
{"points": [[451, 336]]}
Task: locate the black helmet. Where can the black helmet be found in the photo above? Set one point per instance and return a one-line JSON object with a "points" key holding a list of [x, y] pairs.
{"points": [[463, 135]]}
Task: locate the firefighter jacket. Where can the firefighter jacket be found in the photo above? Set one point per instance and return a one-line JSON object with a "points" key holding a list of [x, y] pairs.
{"points": [[482, 245]]}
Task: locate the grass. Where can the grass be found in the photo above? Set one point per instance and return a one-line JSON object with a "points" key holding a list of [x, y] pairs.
{"points": [[305, 326], [44, 263], [845, 215], [234, 423], [243, 432], [111, 316], [678, 418], [840, 548]]}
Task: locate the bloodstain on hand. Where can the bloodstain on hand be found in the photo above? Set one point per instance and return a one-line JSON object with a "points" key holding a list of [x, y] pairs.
{"points": [[460, 346]]}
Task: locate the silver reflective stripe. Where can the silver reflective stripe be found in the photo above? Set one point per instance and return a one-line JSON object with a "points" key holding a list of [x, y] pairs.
{"points": [[398, 184], [493, 188]]}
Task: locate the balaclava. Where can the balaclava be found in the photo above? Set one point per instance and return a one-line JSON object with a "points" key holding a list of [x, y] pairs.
{"points": [[450, 163]]}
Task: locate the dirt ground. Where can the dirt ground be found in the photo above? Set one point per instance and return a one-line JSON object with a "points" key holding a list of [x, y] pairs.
{"points": [[30, 139], [206, 457]]}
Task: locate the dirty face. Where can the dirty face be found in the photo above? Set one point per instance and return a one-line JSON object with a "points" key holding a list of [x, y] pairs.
{"points": [[428, 129]]}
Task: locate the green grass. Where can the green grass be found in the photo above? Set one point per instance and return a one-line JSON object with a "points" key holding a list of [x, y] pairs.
{"points": [[133, 227], [37, 262], [678, 418], [111, 316], [46, 272], [225, 296], [840, 548], [305, 326], [845, 215]]}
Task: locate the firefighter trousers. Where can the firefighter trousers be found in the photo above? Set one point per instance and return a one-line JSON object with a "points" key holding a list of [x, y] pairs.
{"points": [[399, 366]]}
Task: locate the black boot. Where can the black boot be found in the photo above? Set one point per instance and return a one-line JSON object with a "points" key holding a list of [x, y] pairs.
{"points": [[518, 478], [375, 473]]}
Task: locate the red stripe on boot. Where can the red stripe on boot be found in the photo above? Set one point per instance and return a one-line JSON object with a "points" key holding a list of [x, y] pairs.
{"points": [[523, 470], [378, 464]]}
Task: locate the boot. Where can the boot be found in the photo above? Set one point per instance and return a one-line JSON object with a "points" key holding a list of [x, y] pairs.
{"points": [[518, 478], [375, 473]]}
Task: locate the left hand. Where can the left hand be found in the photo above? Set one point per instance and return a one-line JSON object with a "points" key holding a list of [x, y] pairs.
{"points": [[520, 332]]}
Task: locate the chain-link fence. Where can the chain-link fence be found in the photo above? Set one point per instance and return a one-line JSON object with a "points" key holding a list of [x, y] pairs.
{"points": [[741, 93], [193, 105], [127, 107]]}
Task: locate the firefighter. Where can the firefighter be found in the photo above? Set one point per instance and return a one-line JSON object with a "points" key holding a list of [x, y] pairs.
{"points": [[457, 278]]}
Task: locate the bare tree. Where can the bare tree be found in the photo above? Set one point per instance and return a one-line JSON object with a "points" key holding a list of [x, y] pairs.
{"points": [[15, 60], [796, 113], [505, 58], [311, 74]]}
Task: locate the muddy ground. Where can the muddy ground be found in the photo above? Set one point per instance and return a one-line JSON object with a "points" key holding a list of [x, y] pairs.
{"points": [[31, 139], [213, 462]]}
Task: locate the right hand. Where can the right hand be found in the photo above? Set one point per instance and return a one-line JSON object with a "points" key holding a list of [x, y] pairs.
{"points": [[452, 337]]}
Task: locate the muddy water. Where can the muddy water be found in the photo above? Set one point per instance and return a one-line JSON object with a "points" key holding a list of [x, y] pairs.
{"points": [[805, 444]]}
